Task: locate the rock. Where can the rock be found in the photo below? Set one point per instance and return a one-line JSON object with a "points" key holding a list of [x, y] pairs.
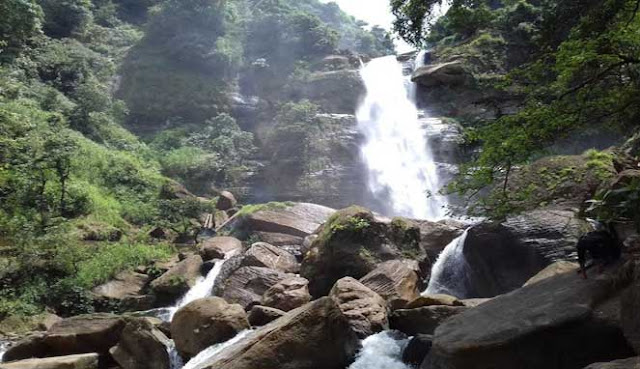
{"points": [[127, 290], [629, 308], [159, 233], [559, 267], [299, 220], [80, 361], [229, 267], [365, 309], [226, 201], [172, 190], [474, 302], [630, 363], [333, 62], [178, 280], [205, 322], [314, 336], [451, 73], [247, 285], [221, 247], [417, 349], [335, 91], [47, 320], [435, 236], [560, 322], [262, 254], [396, 281], [351, 244], [279, 239], [77, 335], [422, 320], [263, 315], [438, 299], [142, 346], [287, 294], [502, 257]]}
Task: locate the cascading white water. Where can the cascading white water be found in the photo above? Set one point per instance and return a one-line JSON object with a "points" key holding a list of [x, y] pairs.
{"points": [[200, 290], [3, 348], [207, 354], [400, 164], [381, 351], [450, 272]]}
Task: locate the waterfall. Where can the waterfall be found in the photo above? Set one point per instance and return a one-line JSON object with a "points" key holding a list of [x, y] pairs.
{"points": [[3, 348], [200, 290], [381, 351], [449, 274], [207, 354], [401, 168]]}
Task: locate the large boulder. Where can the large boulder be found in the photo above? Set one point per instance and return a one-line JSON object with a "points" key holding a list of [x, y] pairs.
{"points": [[335, 91], [449, 74], [177, 280], [299, 220], [630, 363], [205, 322], [77, 335], [226, 201], [396, 281], [262, 254], [417, 349], [437, 299], [263, 315], [287, 294], [630, 311], [422, 320], [503, 256], [126, 289], [561, 322], [247, 285], [314, 336], [351, 244], [221, 247], [142, 346], [365, 309], [79, 361], [559, 267]]}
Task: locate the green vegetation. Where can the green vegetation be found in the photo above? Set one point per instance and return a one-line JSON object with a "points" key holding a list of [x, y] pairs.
{"points": [[566, 66], [251, 209]]}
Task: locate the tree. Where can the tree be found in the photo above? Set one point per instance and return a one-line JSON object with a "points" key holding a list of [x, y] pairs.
{"points": [[183, 216], [21, 21]]}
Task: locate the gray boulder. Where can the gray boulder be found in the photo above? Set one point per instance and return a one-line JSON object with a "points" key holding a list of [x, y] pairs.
{"points": [[247, 285], [177, 280], [262, 254], [263, 315], [142, 346], [422, 320], [220, 248], [300, 219], [365, 309], [631, 363], [79, 361], [396, 281], [287, 294], [451, 73]]}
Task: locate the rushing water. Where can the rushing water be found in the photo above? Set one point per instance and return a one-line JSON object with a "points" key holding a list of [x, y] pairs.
{"points": [[3, 348], [381, 351], [200, 290], [449, 274], [207, 354], [400, 163]]}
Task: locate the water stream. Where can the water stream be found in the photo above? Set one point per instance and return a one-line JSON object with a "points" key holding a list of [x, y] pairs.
{"points": [[381, 351], [207, 354], [401, 167], [3, 348], [450, 272]]}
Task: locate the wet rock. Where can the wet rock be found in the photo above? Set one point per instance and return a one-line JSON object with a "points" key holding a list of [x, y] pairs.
{"points": [[561, 322], [423, 320], [226, 201], [314, 336], [178, 280], [80, 361], [631, 363], [417, 349], [502, 257], [205, 322], [287, 294], [451, 73], [299, 220], [220, 248], [263, 315], [559, 267], [142, 346], [262, 254], [365, 309], [247, 285], [335, 91], [77, 335], [437, 299], [396, 281]]}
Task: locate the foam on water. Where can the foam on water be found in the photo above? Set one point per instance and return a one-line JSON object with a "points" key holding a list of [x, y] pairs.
{"points": [[381, 351]]}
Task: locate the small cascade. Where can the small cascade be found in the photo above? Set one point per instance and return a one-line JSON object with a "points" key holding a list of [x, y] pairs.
{"points": [[175, 360], [401, 168], [207, 354], [200, 290], [381, 351], [450, 272], [3, 348]]}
